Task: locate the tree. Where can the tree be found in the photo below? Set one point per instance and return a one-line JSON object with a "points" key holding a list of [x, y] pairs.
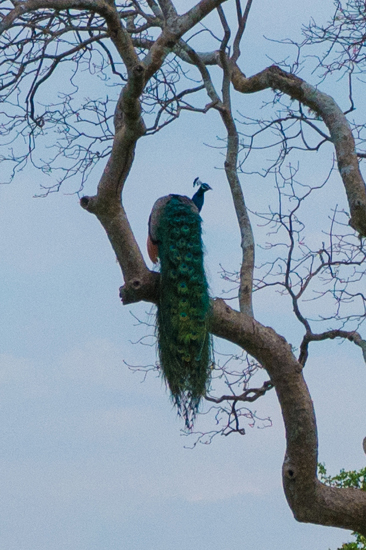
{"points": [[150, 51]]}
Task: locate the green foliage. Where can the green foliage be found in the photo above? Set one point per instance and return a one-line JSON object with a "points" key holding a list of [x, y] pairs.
{"points": [[183, 337], [344, 479]]}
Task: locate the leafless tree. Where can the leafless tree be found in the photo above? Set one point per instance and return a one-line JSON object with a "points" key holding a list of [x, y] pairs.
{"points": [[144, 50]]}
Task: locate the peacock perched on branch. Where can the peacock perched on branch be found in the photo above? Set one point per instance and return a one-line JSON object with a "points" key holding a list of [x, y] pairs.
{"points": [[182, 317]]}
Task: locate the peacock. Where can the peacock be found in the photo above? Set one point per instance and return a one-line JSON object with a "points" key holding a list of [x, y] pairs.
{"points": [[184, 343]]}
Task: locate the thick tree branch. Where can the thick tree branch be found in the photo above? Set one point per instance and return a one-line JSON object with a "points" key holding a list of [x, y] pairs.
{"points": [[207, 58], [154, 8], [341, 135], [310, 500], [106, 205], [188, 20], [168, 10]]}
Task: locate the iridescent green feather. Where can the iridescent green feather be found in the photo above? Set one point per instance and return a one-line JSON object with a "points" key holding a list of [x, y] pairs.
{"points": [[183, 337]]}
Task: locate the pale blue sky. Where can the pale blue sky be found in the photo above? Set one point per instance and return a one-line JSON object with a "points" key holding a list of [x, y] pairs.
{"points": [[91, 458]]}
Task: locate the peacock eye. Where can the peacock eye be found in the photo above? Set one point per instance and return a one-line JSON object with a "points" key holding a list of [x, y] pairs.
{"points": [[182, 288], [183, 268], [175, 256]]}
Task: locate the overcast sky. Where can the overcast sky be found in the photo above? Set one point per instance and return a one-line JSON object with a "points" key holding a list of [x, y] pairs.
{"points": [[91, 456]]}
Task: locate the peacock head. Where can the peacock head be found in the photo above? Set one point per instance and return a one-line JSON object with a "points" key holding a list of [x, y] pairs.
{"points": [[203, 187]]}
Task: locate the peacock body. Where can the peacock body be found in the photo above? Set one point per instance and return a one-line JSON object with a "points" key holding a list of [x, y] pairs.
{"points": [[182, 318]]}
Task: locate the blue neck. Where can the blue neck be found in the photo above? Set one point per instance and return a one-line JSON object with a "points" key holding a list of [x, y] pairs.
{"points": [[198, 198]]}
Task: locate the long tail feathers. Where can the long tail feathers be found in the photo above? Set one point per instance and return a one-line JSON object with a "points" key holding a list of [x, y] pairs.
{"points": [[183, 337]]}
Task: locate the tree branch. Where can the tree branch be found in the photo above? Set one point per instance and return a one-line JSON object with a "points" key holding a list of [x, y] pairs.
{"points": [[310, 500], [251, 394], [231, 170], [106, 205], [242, 20], [231, 163], [196, 14], [352, 336], [340, 132], [168, 10], [174, 31]]}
